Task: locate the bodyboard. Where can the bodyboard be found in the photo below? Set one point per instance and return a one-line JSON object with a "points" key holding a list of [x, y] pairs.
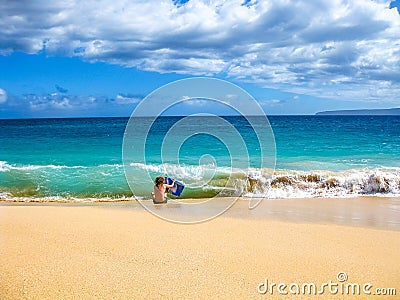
{"points": [[178, 187]]}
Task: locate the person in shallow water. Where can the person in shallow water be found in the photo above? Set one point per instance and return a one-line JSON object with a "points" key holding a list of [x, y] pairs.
{"points": [[160, 188]]}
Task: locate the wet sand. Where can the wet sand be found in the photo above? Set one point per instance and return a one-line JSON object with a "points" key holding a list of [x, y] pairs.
{"points": [[374, 212], [95, 252]]}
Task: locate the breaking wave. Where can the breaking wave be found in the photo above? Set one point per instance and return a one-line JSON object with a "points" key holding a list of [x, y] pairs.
{"points": [[107, 182]]}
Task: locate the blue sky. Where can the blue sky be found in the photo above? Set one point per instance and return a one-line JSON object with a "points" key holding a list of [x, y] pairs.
{"points": [[100, 58]]}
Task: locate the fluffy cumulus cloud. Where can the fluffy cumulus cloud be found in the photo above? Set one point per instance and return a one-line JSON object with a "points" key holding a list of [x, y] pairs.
{"points": [[346, 49], [3, 96], [52, 101]]}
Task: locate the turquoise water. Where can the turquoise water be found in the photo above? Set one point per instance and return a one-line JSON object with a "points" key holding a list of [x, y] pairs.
{"points": [[316, 156]]}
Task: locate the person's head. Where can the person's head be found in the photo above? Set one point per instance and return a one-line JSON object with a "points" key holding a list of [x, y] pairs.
{"points": [[159, 180]]}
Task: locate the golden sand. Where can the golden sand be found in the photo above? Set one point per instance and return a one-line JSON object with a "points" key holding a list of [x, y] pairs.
{"points": [[75, 252]]}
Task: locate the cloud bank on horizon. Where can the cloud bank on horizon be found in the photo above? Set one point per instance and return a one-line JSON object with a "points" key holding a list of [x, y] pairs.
{"points": [[339, 49]]}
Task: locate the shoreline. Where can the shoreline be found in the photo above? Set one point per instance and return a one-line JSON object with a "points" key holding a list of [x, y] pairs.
{"points": [[87, 252], [369, 212]]}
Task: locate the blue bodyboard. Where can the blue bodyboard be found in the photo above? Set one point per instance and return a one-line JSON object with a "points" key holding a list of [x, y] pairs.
{"points": [[178, 187]]}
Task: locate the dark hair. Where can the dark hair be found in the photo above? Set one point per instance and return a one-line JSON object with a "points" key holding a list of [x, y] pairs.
{"points": [[159, 180]]}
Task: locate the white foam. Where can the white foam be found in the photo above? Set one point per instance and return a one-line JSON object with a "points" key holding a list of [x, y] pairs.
{"points": [[7, 197], [4, 167], [350, 183], [382, 181], [184, 172], [290, 183]]}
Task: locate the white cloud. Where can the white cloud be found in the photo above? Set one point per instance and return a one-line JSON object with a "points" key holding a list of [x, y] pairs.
{"points": [[126, 99], [270, 102], [3, 96], [203, 102], [55, 101], [50, 101], [63, 104], [339, 49], [197, 102]]}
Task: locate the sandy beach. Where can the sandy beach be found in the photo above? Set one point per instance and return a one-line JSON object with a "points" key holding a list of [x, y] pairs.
{"points": [[88, 252]]}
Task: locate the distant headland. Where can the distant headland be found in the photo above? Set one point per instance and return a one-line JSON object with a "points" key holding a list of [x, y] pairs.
{"points": [[368, 112]]}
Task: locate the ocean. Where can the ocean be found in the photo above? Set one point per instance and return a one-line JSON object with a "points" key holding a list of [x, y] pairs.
{"points": [[316, 156]]}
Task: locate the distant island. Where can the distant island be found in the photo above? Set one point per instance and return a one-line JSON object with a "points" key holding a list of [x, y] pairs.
{"points": [[368, 112]]}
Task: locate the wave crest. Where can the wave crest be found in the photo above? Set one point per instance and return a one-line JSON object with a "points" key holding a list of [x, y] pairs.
{"points": [[302, 184], [201, 181], [282, 184]]}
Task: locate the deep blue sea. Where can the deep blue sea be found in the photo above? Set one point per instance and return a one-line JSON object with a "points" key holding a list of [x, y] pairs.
{"points": [[316, 156]]}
